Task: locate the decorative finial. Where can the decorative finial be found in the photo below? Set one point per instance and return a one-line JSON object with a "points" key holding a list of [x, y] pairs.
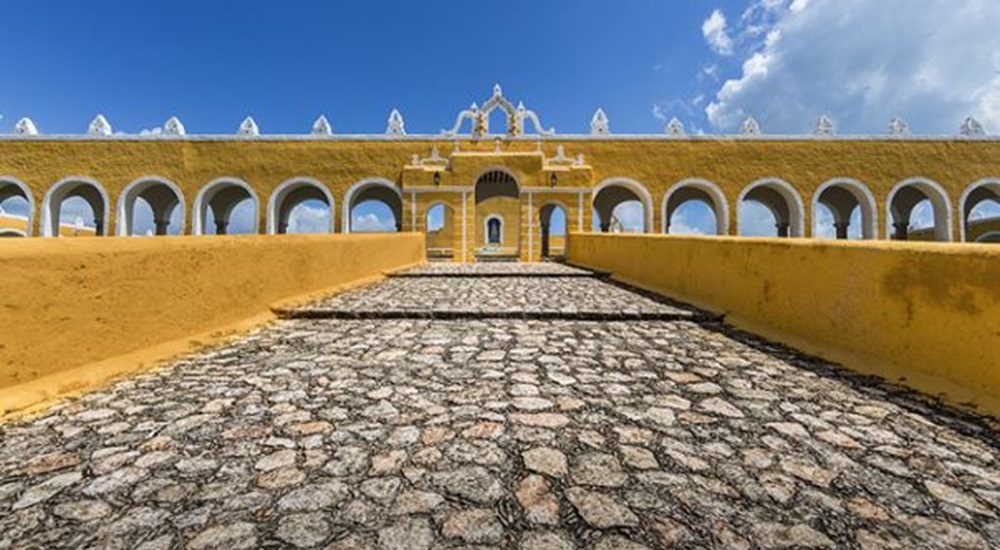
{"points": [[675, 127], [898, 127], [972, 128], [25, 127], [248, 127], [395, 127], [173, 127], [825, 127], [496, 147], [100, 127], [322, 127], [599, 124], [497, 90], [750, 127]]}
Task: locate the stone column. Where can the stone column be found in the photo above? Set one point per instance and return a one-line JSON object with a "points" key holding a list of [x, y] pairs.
{"points": [[221, 227], [783, 229], [902, 232], [841, 229], [161, 226], [545, 240], [98, 228]]}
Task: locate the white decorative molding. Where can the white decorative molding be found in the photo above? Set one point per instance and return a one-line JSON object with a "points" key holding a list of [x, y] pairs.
{"points": [[480, 117], [248, 127], [25, 127], [100, 127], [899, 127], [750, 127], [599, 125], [675, 128], [972, 128], [173, 127], [322, 127], [395, 126], [825, 127], [434, 160]]}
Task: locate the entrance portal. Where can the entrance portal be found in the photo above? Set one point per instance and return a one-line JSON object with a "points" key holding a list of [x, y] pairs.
{"points": [[498, 214]]}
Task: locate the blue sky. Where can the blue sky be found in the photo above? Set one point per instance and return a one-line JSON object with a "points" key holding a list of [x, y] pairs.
{"points": [[711, 63]]}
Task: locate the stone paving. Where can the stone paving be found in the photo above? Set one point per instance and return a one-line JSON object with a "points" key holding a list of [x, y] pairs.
{"points": [[495, 269], [413, 434]]}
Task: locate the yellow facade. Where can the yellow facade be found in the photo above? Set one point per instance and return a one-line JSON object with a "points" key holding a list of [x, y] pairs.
{"points": [[649, 168]]}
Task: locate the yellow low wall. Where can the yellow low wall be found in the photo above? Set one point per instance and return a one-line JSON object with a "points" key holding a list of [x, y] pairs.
{"points": [[925, 314], [74, 312]]}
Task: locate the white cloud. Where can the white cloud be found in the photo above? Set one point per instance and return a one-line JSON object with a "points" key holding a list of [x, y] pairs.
{"points": [[716, 34], [630, 215], [756, 220], [863, 62], [371, 222], [309, 218]]}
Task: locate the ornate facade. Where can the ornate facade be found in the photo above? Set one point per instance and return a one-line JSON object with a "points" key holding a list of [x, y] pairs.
{"points": [[496, 192]]}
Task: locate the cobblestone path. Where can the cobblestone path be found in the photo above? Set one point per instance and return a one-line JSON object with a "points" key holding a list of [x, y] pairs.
{"points": [[412, 434]]}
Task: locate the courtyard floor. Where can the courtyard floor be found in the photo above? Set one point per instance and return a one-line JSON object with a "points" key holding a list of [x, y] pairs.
{"points": [[522, 407]]}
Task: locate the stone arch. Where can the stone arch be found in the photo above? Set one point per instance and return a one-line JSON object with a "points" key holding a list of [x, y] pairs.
{"points": [[379, 189], [905, 195], [162, 195], [991, 237], [9, 232], [75, 186], [842, 196], [782, 199], [696, 189], [441, 242], [982, 190], [13, 187], [615, 190], [497, 195], [222, 195], [545, 213], [289, 194]]}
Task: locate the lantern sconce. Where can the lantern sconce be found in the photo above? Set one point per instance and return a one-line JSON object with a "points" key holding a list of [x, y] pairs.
{"points": [[553, 179], [437, 178]]}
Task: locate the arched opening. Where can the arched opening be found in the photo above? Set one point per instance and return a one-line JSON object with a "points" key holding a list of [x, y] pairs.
{"points": [[991, 237], [301, 205], [440, 223], [151, 206], [918, 210], [622, 205], [844, 209], [5, 233], [980, 210], [226, 206], [498, 213], [373, 206], [552, 221], [17, 207], [770, 208], [75, 206], [695, 207]]}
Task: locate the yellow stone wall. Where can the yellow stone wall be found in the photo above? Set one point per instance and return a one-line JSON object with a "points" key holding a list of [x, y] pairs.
{"points": [[656, 164]]}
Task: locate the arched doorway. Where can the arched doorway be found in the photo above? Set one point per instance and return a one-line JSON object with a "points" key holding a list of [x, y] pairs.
{"points": [[553, 219], [151, 206], [300, 205], [770, 208], [695, 207], [844, 209], [17, 206], [622, 205], [991, 237], [919, 209], [80, 205], [440, 224], [373, 206], [226, 206], [498, 213], [980, 210]]}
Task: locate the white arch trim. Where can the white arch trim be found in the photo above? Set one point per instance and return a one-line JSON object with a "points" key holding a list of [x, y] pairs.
{"points": [[962, 230], [796, 209], [991, 234], [720, 206], [199, 206], [498, 168], [359, 186], [486, 228], [869, 208], [639, 189], [939, 201], [277, 197], [10, 232], [26, 191], [50, 219], [132, 191]]}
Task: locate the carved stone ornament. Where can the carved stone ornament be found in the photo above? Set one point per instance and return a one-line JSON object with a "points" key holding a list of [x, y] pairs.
{"points": [[248, 127], [173, 127], [100, 127], [599, 125], [395, 126], [322, 127], [25, 127], [898, 127], [825, 127], [676, 128], [750, 127], [972, 128], [479, 117]]}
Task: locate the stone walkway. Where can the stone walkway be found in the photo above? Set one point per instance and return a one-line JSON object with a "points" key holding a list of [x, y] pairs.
{"points": [[498, 433]]}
